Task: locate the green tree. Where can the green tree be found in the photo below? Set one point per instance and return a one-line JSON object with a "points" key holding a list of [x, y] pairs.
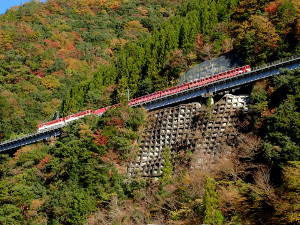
{"points": [[70, 205], [10, 214], [167, 170], [212, 215]]}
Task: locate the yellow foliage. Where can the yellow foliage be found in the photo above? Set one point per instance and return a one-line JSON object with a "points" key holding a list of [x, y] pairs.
{"points": [[134, 25], [117, 41], [76, 64], [61, 37], [298, 28], [85, 131], [28, 87], [266, 30], [6, 41], [46, 63], [291, 176], [50, 82], [89, 7], [296, 3], [258, 35], [113, 4], [134, 28], [50, 107]]}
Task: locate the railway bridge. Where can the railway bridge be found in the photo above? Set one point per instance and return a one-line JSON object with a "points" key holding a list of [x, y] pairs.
{"points": [[258, 73]]}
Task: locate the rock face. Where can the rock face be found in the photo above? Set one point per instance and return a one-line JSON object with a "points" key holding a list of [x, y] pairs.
{"points": [[187, 127], [210, 67]]}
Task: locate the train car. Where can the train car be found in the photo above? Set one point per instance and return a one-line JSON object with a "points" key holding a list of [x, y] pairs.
{"points": [[61, 122], [183, 87], [99, 112], [133, 102], [248, 68], [77, 116], [51, 124]]}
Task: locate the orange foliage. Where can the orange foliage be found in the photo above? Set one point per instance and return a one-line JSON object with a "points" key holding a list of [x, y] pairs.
{"points": [[38, 48], [64, 53], [143, 11], [19, 153], [44, 162], [272, 7], [231, 199], [52, 44], [101, 61], [109, 52], [54, 7], [36, 203], [112, 157], [76, 36], [59, 73], [90, 7], [115, 121]]}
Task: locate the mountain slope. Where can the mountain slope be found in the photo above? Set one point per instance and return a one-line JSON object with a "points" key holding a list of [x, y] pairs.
{"points": [[48, 47]]}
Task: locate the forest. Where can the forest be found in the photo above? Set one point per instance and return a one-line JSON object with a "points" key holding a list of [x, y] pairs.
{"points": [[66, 56]]}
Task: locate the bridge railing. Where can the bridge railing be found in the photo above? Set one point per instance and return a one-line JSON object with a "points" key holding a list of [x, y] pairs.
{"points": [[16, 139], [276, 63], [27, 136]]}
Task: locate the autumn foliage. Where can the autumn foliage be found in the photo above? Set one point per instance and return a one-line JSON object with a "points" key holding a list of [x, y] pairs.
{"points": [[99, 138], [272, 7]]}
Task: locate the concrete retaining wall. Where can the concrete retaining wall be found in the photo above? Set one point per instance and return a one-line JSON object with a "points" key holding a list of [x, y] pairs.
{"points": [[187, 127]]}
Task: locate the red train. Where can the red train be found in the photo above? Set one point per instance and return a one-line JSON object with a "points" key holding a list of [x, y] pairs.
{"points": [[61, 122], [190, 85]]}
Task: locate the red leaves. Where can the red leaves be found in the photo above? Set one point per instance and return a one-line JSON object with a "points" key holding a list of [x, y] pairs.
{"points": [[272, 7], [52, 44], [100, 139], [115, 121], [199, 41], [39, 73]]}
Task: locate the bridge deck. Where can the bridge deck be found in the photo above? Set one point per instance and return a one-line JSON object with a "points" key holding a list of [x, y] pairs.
{"points": [[29, 139]]}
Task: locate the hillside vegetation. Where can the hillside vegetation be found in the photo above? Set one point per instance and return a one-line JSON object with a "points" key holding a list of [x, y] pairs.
{"points": [[72, 55], [46, 48]]}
